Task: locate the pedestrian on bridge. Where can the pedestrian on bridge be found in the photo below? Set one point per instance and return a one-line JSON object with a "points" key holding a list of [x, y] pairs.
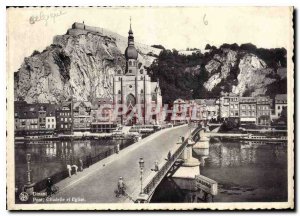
{"points": [[169, 155], [156, 166], [49, 185], [69, 168], [121, 186], [80, 163]]}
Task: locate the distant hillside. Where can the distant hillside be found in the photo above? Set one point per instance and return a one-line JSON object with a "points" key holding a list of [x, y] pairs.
{"points": [[244, 70], [81, 64]]}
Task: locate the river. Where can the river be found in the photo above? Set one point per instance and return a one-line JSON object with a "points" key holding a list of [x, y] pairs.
{"points": [[51, 157], [245, 172]]}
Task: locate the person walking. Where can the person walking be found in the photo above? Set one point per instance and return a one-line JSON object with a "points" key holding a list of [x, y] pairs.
{"points": [[80, 164], [49, 184], [69, 168], [156, 166], [121, 186], [169, 155]]}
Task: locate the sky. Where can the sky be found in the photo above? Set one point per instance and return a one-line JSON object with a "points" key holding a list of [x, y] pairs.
{"points": [[32, 29]]}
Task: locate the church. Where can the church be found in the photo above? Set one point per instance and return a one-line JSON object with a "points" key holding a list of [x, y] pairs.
{"points": [[134, 91]]}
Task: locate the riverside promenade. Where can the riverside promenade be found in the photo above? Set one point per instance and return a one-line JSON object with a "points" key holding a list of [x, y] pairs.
{"points": [[97, 183]]}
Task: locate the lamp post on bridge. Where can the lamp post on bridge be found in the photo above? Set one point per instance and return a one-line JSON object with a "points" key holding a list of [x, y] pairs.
{"points": [[29, 185], [142, 198], [141, 163], [28, 158]]}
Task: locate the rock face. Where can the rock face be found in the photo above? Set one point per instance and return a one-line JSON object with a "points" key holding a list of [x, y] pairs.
{"points": [[253, 76], [219, 67], [245, 73], [78, 64]]}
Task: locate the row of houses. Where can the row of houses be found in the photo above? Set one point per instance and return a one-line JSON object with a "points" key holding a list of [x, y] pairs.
{"points": [[261, 110], [67, 117]]}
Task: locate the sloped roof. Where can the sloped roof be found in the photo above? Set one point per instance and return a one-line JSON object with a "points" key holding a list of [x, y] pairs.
{"points": [[179, 100], [200, 101], [30, 111], [210, 102], [281, 97]]}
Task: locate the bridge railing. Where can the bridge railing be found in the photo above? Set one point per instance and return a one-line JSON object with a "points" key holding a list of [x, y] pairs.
{"points": [[163, 171], [166, 167]]}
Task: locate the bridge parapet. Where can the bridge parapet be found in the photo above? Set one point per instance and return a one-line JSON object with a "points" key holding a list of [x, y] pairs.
{"points": [[150, 187]]}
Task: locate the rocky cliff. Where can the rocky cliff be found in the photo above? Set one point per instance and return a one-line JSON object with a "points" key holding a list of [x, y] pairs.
{"points": [[79, 64], [245, 73], [244, 70]]}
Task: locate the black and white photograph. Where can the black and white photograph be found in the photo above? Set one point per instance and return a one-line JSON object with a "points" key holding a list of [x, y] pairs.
{"points": [[150, 108]]}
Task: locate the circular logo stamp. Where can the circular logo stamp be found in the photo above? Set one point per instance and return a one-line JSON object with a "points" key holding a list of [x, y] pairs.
{"points": [[23, 196]]}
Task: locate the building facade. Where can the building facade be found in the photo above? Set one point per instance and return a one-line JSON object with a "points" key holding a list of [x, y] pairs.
{"points": [[103, 120], [263, 110], [33, 119], [134, 94], [234, 110], [279, 105], [224, 107], [247, 109], [64, 118], [82, 116], [50, 117]]}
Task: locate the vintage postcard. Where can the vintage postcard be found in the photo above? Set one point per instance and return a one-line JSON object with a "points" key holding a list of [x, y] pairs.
{"points": [[150, 108]]}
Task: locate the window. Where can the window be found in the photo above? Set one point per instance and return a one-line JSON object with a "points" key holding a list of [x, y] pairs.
{"points": [[243, 106], [130, 63], [66, 119], [278, 107], [130, 71], [236, 113], [142, 91], [119, 91], [235, 106], [48, 126], [141, 71], [61, 126], [66, 126]]}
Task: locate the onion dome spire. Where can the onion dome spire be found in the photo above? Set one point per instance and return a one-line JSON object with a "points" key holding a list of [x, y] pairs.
{"points": [[131, 52]]}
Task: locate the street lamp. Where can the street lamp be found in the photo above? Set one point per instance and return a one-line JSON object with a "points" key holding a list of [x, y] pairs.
{"points": [[141, 163], [28, 157]]}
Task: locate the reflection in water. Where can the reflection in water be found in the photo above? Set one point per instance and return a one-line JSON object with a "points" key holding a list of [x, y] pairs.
{"points": [[50, 157], [245, 172]]}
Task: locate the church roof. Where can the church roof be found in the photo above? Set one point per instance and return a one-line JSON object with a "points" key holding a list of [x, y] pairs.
{"points": [[131, 52]]}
